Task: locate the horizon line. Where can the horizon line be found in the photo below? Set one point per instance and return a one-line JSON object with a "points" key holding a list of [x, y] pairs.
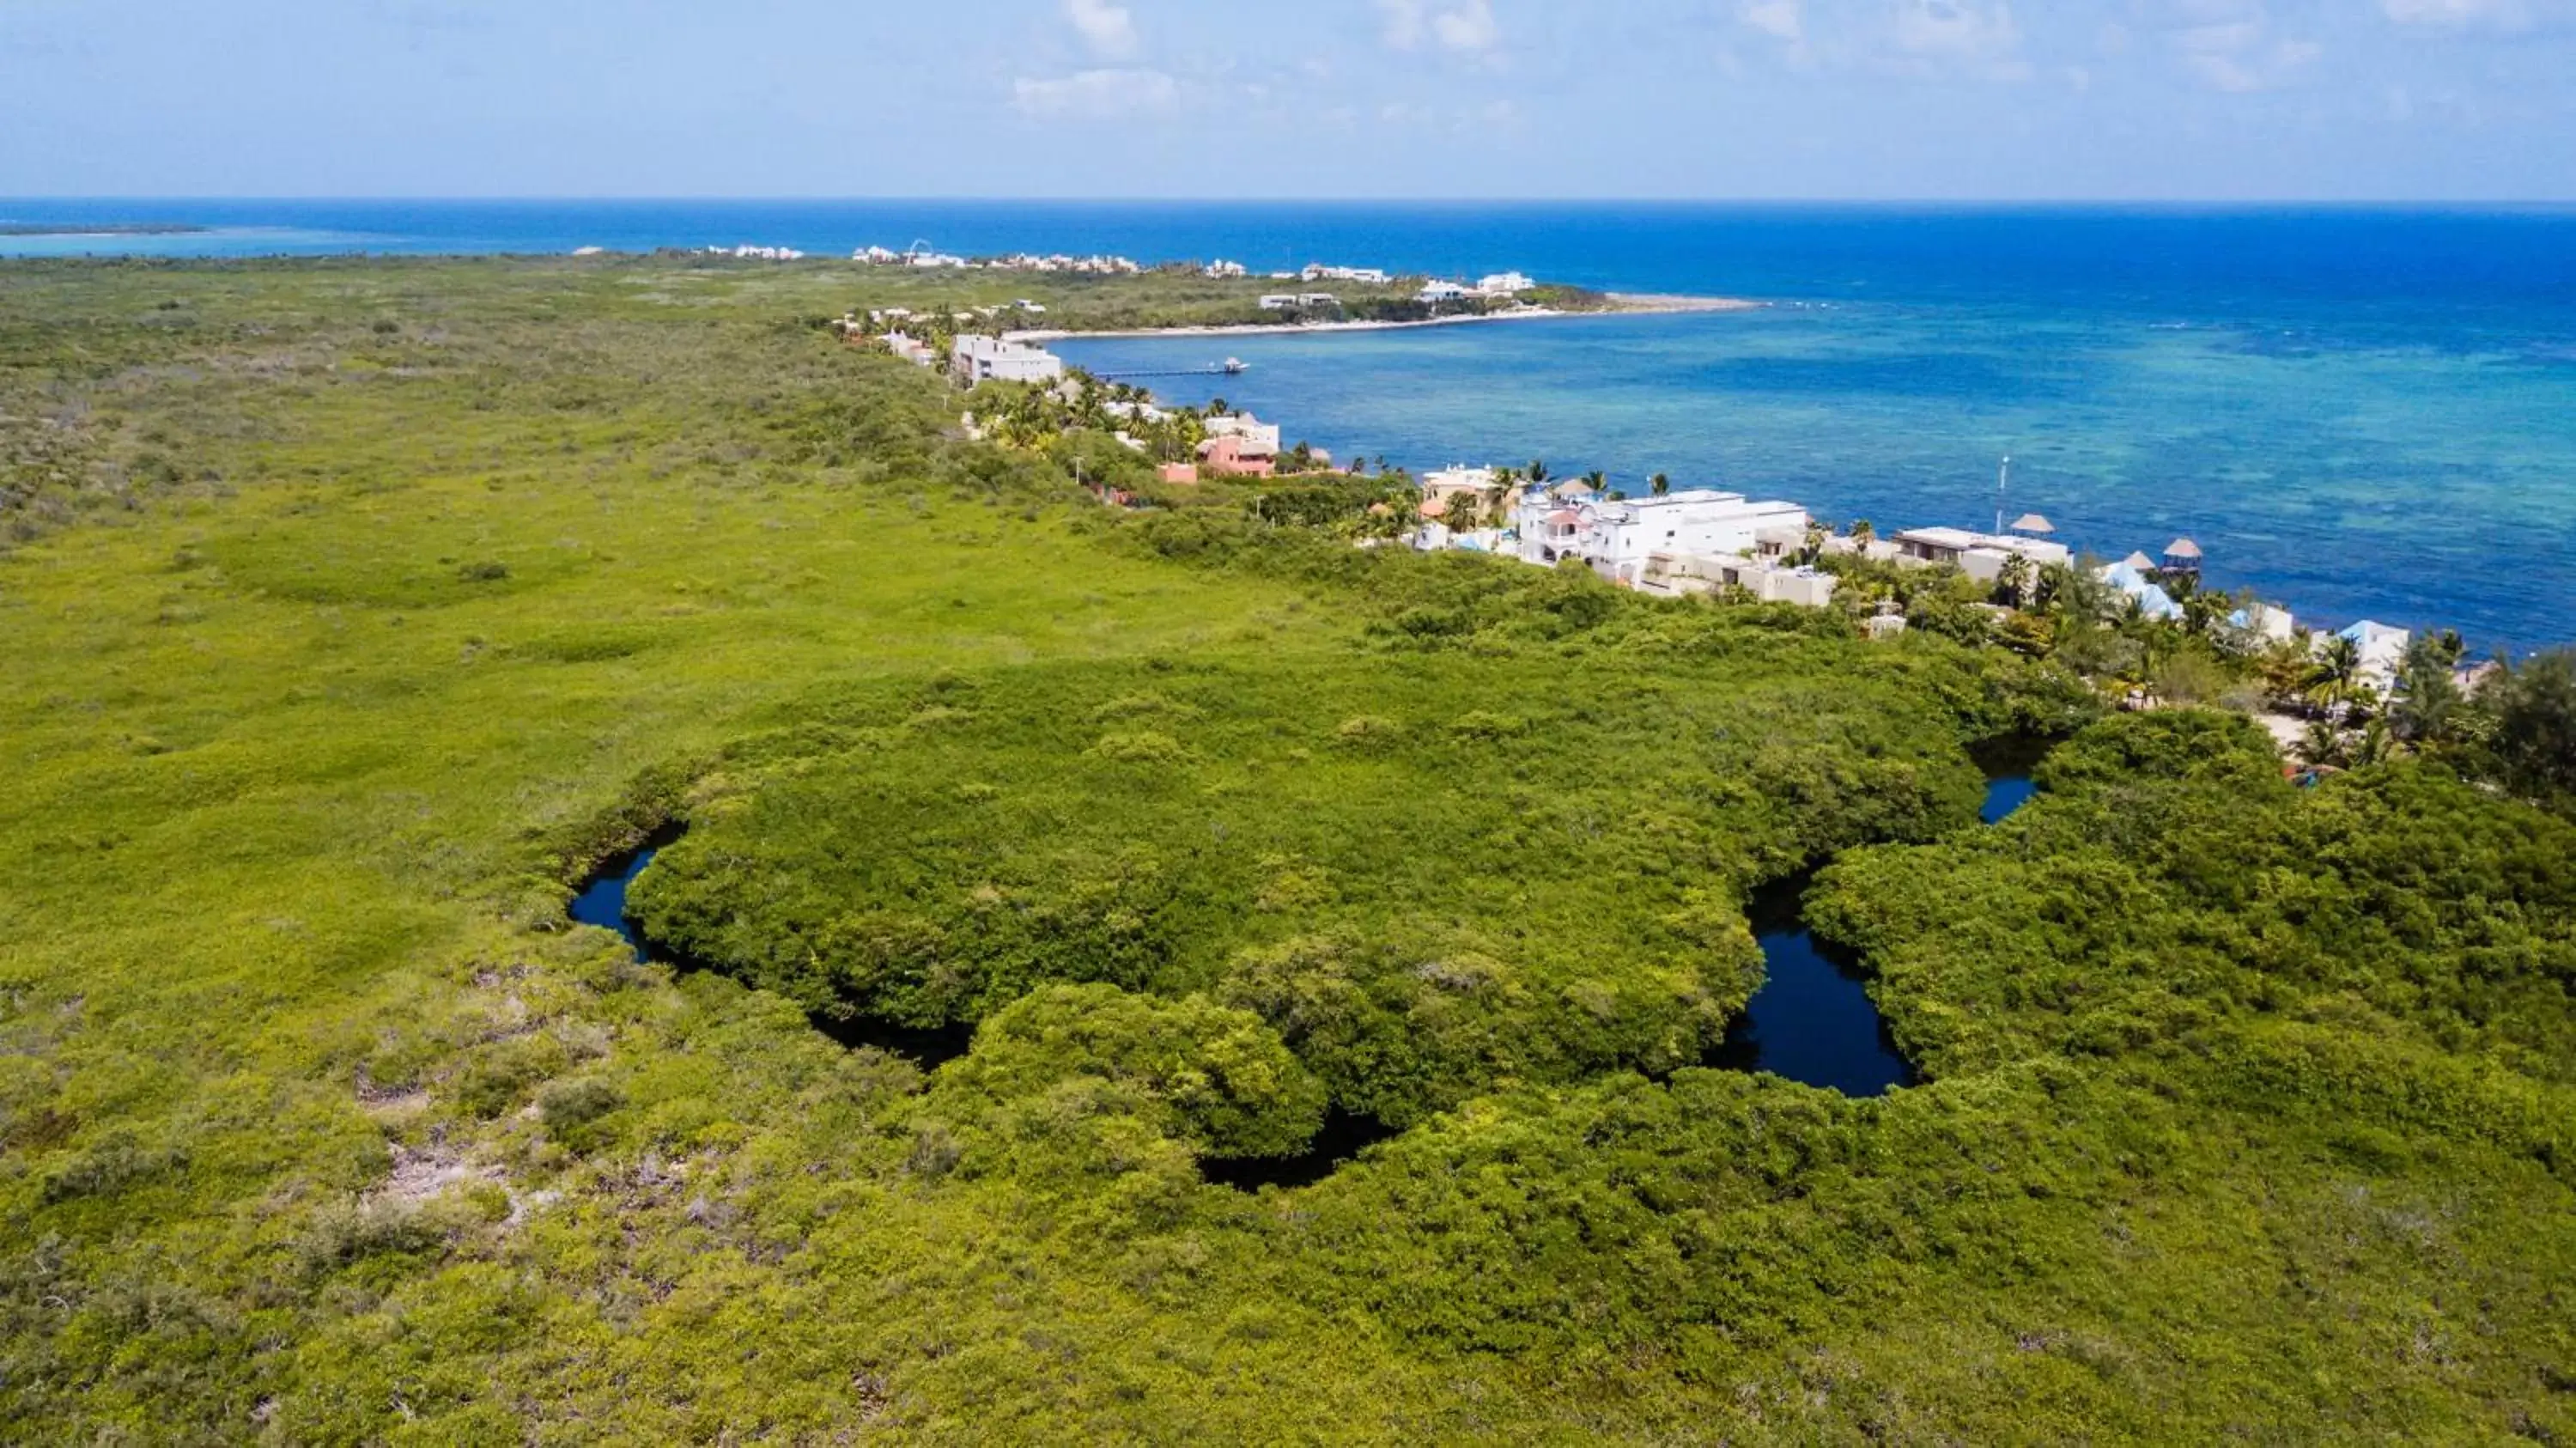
{"points": [[2084, 202]]}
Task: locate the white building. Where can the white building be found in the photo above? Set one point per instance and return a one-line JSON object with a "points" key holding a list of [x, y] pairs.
{"points": [[2383, 651], [1260, 438], [1505, 284], [1617, 538], [1279, 302], [2139, 584], [1676, 575], [910, 349], [1435, 293], [1366, 275], [1224, 270], [977, 359], [1982, 556], [2265, 622]]}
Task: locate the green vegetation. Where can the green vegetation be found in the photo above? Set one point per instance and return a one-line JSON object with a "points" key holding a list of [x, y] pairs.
{"points": [[355, 610]]}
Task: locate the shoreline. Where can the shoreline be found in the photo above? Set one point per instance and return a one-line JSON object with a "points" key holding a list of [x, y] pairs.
{"points": [[1623, 304]]}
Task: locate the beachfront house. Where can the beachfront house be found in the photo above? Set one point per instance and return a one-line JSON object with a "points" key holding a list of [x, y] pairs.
{"points": [[2382, 650], [1364, 275], [1617, 538], [1280, 302], [1682, 575], [2264, 622], [1237, 457], [977, 359], [1504, 284], [1435, 294], [2139, 584], [1261, 438], [1455, 480], [1982, 556], [1224, 270]]}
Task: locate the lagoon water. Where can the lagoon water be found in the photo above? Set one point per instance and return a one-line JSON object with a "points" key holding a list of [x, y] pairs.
{"points": [[2360, 412]]}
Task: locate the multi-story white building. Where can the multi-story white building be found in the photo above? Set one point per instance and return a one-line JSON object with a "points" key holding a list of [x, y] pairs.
{"points": [[1505, 284], [1616, 538], [1258, 437], [977, 359], [1434, 293]]}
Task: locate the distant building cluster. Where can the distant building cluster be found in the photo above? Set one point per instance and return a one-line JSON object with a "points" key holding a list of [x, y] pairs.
{"points": [[1363, 275], [921, 256], [756, 253]]}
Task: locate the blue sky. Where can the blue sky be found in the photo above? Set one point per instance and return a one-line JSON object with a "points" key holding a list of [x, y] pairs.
{"points": [[1937, 99]]}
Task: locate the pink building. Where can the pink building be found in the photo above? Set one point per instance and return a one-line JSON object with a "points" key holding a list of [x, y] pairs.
{"points": [[1235, 457]]}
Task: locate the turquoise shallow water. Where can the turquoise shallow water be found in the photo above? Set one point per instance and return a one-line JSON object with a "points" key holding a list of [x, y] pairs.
{"points": [[2359, 411]]}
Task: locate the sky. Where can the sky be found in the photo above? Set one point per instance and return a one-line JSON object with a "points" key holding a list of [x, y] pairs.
{"points": [[2220, 100]]}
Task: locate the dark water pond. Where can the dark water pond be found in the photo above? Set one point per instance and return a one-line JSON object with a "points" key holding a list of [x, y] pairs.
{"points": [[1344, 1136], [2005, 795], [602, 901], [1813, 1021]]}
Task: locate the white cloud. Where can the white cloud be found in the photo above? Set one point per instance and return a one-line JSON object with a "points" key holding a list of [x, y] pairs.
{"points": [[1108, 29], [2230, 45], [1782, 20], [1098, 94], [1468, 28], [2508, 17], [1957, 30], [1921, 38]]}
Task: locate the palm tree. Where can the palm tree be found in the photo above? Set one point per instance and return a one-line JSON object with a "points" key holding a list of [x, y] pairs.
{"points": [[2321, 744], [1538, 470], [2017, 580], [1862, 532], [1659, 485], [2335, 675], [2202, 612]]}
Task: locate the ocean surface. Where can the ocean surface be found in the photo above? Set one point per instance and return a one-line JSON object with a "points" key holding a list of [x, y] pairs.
{"points": [[2358, 412]]}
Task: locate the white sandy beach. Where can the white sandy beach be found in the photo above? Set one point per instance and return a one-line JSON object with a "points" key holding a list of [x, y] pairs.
{"points": [[1623, 304]]}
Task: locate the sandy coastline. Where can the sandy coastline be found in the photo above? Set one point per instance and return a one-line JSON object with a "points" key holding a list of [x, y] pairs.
{"points": [[1622, 304]]}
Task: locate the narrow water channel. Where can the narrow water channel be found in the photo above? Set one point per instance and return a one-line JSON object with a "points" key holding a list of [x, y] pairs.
{"points": [[1344, 1136], [601, 901], [1813, 1021]]}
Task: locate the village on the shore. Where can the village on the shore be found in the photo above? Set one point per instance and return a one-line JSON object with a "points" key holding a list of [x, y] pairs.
{"points": [[1669, 541]]}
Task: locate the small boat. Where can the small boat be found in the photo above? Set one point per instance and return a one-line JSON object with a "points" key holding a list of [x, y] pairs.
{"points": [[1234, 367]]}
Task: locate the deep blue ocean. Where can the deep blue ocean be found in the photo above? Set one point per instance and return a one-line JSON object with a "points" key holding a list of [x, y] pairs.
{"points": [[2356, 411]]}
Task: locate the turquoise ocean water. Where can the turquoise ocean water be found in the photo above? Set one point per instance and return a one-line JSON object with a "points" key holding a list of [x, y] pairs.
{"points": [[2359, 412]]}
